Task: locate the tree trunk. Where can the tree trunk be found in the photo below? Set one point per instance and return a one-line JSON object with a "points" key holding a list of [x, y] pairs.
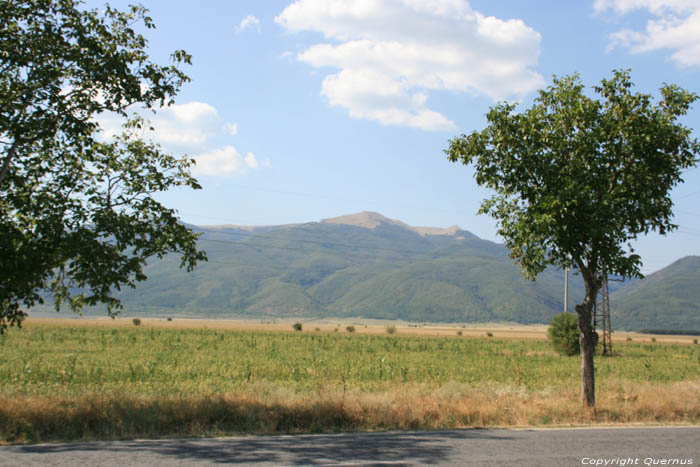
{"points": [[587, 342]]}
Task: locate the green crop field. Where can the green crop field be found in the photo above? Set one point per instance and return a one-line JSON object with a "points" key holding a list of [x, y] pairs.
{"points": [[136, 370], [44, 360]]}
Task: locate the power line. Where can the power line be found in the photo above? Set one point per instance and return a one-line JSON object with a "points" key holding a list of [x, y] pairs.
{"points": [[689, 195]]}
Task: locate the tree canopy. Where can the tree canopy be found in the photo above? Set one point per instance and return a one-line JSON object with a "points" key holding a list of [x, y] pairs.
{"points": [[576, 179], [77, 214]]}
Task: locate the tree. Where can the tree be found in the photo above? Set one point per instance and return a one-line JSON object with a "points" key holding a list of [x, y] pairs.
{"points": [[577, 179], [77, 214], [563, 334]]}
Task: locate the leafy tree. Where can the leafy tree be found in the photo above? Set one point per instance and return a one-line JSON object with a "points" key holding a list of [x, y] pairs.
{"points": [[563, 334], [77, 213], [577, 178]]}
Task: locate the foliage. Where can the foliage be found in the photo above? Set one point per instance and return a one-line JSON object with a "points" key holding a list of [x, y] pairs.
{"points": [[136, 321], [390, 329], [296, 326], [563, 334], [350, 328], [77, 215], [577, 179]]}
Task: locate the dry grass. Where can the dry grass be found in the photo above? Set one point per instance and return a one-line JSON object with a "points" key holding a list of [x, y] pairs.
{"points": [[504, 331], [268, 409]]}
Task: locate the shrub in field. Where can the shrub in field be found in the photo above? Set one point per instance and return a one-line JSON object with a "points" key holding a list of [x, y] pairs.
{"points": [[296, 326], [563, 333], [459, 333], [350, 328], [489, 334], [136, 321], [391, 329]]}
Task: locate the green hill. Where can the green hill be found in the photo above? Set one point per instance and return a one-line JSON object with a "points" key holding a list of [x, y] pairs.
{"points": [[365, 265], [667, 299], [359, 265]]}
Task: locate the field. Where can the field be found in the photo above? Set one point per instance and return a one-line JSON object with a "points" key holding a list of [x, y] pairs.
{"points": [[110, 380]]}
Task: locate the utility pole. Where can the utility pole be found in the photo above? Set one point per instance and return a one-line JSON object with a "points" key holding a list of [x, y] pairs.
{"points": [[566, 290], [605, 317]]}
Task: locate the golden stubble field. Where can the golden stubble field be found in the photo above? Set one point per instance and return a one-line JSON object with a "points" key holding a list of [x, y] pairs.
{"points": [[361, 326]]}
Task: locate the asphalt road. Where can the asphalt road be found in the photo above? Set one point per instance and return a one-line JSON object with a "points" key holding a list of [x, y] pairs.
{"points": [[564, 447]]}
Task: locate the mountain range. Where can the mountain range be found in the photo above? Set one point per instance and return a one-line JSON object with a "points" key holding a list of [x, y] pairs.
{"points": [[366, 265], [667, 299]]}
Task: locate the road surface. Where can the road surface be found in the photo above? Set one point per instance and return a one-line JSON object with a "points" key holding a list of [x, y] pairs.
{"points": [[546, 447]]}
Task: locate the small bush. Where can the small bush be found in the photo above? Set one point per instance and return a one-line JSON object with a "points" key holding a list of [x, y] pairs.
{"points": [[489, 334], [653, 339], [170, 319], [629, 339], [335, 329], [350, 328], [296, 326], [390, 329], [459, 333], [695, 341], [136, 321], [318, 329], [563, 333]]}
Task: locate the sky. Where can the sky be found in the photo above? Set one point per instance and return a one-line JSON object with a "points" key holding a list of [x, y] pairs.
{"points": [[303, 110]]}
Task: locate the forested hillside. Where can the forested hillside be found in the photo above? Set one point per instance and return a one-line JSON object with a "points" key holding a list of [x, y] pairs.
{"points": [[365, 265]]}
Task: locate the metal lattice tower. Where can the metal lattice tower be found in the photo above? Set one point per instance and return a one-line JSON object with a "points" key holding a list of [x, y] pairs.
{"points": [[603, 316]]}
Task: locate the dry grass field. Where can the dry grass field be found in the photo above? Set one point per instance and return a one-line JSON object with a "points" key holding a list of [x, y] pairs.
{"points": [[78, 379], [362, 326]]}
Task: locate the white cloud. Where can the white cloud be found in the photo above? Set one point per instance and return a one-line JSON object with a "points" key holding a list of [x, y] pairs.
{"points": [[676, 26], [250, 161], [226, 161], [248, 22], [179, 127], [231, 128], [391, 53], [193, 128]]}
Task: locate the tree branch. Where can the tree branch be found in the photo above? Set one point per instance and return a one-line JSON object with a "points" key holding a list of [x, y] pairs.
{"points": [[8, 158]]}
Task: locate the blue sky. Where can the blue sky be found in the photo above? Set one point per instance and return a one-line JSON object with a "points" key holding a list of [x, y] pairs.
{"points": [[308, 109]]}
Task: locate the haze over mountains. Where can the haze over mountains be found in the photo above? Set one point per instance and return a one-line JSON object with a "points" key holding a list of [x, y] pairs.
{"points": [[366, 265]]}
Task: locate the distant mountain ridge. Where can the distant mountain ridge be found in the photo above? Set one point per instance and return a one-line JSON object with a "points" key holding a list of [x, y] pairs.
{"points": [[360, 265], [667, 299], [372, 220], [367, 265]]}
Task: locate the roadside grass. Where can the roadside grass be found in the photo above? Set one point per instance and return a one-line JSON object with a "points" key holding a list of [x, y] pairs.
{"points": [[76, 383]]}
